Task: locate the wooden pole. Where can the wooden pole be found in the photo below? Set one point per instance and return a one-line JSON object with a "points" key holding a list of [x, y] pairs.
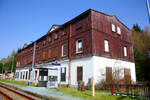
{"points": [[93, 87]]}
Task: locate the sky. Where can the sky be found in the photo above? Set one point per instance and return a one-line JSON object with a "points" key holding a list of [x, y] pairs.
{"points": [[24, 21]]}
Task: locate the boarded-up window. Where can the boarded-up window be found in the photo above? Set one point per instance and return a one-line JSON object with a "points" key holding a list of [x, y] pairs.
{"points": [[56, 52], [108, 74], [79, 25], [79, 73], [63, 74], [127, 74], [49, 53], [44, 55]]}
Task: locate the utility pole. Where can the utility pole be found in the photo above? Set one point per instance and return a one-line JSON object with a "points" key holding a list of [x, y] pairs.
{"points": [[148, 9], [33, 62]]}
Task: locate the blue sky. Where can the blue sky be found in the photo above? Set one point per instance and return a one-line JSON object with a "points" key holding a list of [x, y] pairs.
{"points": [[23, 21]]}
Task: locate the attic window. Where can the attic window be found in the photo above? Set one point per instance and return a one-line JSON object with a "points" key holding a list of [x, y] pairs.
{"points": [[118, 30], [49, 38], [64, 32], [79, 24], [44, 42], [56, 35], [113, 28], [37, 46]]}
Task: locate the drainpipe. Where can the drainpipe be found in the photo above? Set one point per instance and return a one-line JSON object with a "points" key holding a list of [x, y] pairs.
{"points": [[69, 54]]}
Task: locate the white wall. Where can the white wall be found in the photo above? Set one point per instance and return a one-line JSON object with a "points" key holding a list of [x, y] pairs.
{"points": [[87, 64], [92, 67], [100, 64]]}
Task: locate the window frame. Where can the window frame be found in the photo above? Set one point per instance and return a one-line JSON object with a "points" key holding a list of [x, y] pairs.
{"points": [[113, 28], [118, 30], [125, 51], [79, 24], [106, 45], [62, 50], [77, 46]]}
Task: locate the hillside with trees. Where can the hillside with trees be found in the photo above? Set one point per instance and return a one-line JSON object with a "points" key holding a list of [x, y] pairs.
{"points": [[11, 59], [141, 45]]}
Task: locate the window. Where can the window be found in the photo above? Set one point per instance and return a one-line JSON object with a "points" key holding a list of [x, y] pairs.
{"points": [[64, 50], [44, 43], [127, 74], [79, 46], [64, 32], [44, 55], [106, 46], [118, 30], [79, 24], [125, 51], [113, 27], [79, 73], [56, 35], [49, 39], [49, 53], [63, 74]]}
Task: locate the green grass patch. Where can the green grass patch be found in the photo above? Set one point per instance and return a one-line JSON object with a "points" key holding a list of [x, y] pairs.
{"points": [[88, 94], [21, 83]]}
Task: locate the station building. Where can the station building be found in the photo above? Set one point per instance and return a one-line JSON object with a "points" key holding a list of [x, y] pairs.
{"points": [[93, 44]]}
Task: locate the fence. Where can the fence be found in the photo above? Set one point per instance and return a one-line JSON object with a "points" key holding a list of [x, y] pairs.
{"points": [[141, 90]]}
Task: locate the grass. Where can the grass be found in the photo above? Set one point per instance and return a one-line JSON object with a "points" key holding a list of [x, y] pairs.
{"points": [[100, 95], [21, 83]]}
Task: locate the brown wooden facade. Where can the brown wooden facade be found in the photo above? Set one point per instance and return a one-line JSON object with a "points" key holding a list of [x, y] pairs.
{"points": [[92, 27]]}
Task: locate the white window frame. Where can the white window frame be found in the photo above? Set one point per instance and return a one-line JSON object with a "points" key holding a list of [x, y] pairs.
{"points": [[118, 30], [106, 45], [62, 50], [113, 28], [125, 51], [77, 46]]}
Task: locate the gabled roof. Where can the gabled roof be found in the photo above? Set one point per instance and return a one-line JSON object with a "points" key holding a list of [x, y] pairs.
{"points": [[54, 26]]}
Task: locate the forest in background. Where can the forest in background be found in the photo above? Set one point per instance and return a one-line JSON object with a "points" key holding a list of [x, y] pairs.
{"points": [[141, 46]]}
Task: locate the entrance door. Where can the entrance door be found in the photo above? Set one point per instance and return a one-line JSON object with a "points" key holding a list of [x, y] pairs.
{"points": [[79, 73]]}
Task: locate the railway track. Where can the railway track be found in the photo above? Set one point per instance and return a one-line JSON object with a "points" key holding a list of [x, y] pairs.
{"points": [[12, 94]]}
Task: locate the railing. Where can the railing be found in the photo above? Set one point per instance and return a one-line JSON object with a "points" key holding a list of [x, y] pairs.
{"points": [[140, 90]]}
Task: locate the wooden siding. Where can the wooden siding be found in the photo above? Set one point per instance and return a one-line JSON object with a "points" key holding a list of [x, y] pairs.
{"points": [[94, 28]]}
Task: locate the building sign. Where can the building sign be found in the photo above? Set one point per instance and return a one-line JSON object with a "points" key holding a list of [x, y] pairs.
{"points": [[30, 69], [56, 64]]}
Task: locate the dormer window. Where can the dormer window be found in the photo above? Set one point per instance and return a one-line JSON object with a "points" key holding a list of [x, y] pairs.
{"points": [[113, 28], [118, 30]]}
